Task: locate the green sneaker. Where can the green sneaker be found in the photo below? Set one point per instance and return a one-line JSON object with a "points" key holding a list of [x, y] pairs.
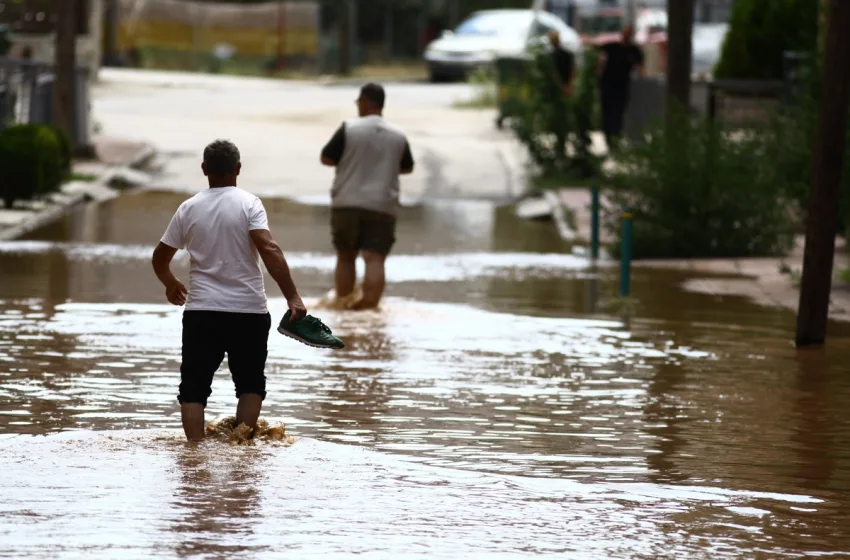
{"points": [[310, 331]]}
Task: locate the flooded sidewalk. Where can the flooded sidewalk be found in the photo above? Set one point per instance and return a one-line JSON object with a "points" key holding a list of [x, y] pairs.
{"points": [[494, 407]]}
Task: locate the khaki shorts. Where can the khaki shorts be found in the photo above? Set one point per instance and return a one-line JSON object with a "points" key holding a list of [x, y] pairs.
{"points": [[357, 229]]}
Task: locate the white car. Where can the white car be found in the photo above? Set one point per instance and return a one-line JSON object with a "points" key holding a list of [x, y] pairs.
{"points": [[488, 34], [707, 45]]}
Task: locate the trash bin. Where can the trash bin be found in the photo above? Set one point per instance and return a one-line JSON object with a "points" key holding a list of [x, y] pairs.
{"points": [[512, 85]]}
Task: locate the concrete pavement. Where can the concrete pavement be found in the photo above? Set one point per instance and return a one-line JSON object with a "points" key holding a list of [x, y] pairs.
{"points": [[280, 127], [759, 279]]}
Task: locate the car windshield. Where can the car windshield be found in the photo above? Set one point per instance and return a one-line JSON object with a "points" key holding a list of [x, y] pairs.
{"points": [[493, 25]]}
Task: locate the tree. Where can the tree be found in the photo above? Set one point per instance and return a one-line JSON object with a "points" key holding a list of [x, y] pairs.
{"points": [[828, 161], [761, 31], [64, 89], [680, 25]]}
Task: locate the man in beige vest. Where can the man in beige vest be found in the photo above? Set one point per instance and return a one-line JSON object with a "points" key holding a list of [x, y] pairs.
{"points": [[369, 154]]}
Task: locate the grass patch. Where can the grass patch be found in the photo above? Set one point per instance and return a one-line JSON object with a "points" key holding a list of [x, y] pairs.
{"points": [[484, 82], [83, 177], [548, 180], [843, 276], [166, 59]]}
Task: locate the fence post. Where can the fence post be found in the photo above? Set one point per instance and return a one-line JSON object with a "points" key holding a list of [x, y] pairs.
{"points": [[594, 222], [626, 253]]}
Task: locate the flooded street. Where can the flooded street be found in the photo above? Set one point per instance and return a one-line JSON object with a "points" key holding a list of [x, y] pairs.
{"points": [[495, 407]]}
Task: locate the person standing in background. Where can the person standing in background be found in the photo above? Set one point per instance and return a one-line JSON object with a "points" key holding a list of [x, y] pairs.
{"points": [[616, 63], [564, 62]]}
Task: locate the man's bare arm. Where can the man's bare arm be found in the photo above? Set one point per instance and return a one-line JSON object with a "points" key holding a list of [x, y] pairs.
{"points": [[175, 291], [161, 261], [275, 262]]}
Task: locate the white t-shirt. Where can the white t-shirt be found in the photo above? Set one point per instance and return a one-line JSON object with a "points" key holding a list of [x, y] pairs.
{"points": [[225, 272]]}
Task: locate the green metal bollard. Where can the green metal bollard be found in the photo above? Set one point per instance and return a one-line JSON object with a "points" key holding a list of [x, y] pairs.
{"points": [[594, 222], [626, 254]]}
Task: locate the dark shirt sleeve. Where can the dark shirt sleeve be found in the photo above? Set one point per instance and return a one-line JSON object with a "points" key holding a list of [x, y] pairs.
{"points": [[334, 149], [406, 158]]}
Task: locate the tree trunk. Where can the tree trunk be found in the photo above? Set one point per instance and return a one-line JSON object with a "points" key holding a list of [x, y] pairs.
{"points": [[64, 87], [345, 25], [826, 177], [680, 25]]}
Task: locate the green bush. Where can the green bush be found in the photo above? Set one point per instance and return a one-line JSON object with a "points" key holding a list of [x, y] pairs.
{"points": [[34, 161], [790, 145], [554, 128], [697, 191], [760, 31]]}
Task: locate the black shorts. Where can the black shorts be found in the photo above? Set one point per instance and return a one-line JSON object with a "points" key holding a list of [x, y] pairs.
{"points": [[358, 229], [207, 336]]}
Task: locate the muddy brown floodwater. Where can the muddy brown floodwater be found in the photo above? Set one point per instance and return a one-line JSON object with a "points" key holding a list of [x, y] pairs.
{"points": [[495, 407]]}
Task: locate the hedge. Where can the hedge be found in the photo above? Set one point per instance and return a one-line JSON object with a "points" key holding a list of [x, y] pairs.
{"points": [[34, 161]]}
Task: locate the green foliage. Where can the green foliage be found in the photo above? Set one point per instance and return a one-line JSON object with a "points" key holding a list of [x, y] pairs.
{"points": [[556, 128], [5, 43], [697, 191], [484, 82], [789, 145], [760, 31], [34, 161]]}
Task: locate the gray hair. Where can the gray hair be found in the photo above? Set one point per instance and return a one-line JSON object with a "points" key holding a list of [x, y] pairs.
{"points": [[221, 158]]}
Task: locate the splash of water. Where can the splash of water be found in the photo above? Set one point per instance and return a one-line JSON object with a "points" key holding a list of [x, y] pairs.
{"points": [[228, 431], [331, 301]]}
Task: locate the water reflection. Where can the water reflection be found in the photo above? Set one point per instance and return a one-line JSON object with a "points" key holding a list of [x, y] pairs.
{"points": [[217, 500]]}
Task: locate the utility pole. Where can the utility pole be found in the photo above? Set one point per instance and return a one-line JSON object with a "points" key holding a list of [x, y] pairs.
{"points": [[345, 25], [827, 165], [680, 29], [64, 85]]}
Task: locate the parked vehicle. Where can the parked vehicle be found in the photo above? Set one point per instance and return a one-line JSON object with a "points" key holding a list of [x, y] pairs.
{"points": [[707, 43], [488, 34]]}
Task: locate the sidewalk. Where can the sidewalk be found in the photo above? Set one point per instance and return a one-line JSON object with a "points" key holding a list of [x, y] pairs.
{"points": [[759, 279], [114, 155]]}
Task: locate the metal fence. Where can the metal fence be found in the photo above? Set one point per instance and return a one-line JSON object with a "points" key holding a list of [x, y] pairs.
{"points": [[26, 96], [744, 103], [736, 104]]}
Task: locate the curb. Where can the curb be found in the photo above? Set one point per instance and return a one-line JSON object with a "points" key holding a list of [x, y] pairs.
{"points": [[60, 209], [43, 218]]}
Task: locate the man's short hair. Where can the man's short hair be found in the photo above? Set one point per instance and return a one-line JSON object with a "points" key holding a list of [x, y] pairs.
{"points": [[373, 93], [221, 158]]}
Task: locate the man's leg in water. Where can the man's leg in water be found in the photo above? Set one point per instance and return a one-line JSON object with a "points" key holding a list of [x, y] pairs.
{"points": [[374, 282], [377, 239], [345, 274], [248, 410], [345, 231], [192, 415], [202, 356], [247, 350]]}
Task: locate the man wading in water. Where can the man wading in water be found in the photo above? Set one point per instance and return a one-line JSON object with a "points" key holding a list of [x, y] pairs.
{"points": [[225, 231], [369, 154]]}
